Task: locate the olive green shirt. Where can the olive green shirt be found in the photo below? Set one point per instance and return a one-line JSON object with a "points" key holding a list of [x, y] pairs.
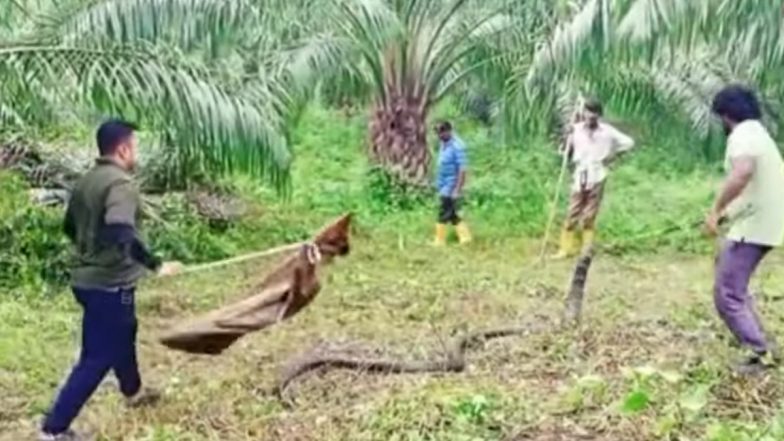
{"points": [[105, 195]]}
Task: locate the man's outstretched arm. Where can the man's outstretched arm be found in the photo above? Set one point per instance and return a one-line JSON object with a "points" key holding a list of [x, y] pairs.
{"points": [[743, 168], [462, 163]]}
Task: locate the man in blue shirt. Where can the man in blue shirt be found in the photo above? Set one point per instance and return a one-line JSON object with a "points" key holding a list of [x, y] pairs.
{"points": [[450, 179]]}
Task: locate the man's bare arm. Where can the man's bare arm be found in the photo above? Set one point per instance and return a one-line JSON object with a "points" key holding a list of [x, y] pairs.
{"points": [[743, 168], [461, 178]]}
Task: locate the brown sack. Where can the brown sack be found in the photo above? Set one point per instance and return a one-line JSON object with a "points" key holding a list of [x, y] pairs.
{"points": [[282, 294]]}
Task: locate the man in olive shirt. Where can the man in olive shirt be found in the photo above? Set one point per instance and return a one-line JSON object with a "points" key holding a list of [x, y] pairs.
{"points": [[109, 258], [752, 195]]}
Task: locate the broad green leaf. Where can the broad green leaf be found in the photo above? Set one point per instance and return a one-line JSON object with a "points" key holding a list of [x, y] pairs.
{"points": [[636, 401]]}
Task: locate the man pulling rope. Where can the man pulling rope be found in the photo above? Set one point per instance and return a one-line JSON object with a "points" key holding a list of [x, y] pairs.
{"points": [[102, 222], [110, 258]]}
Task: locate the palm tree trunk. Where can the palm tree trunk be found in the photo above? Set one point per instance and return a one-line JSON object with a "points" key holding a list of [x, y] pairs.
{"points": [[398, 140]]}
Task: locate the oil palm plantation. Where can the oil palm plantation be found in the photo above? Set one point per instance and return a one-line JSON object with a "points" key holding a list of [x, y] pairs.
{"points": [[644, 55], [175, 66], [221, 80], [404, 56]]}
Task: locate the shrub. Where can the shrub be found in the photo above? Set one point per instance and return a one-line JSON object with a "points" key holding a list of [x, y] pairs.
{"points": [[33, 249]]}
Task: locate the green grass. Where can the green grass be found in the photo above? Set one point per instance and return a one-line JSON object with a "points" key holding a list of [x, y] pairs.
{"points": [[509, 194], [648, 363], [509, 191]]}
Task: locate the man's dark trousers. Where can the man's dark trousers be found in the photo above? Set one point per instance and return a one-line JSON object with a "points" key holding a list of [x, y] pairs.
{"points": [[108, 343]]}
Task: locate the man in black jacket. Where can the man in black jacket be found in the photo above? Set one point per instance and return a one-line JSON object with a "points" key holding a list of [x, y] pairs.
{"points": [[101, 221]]}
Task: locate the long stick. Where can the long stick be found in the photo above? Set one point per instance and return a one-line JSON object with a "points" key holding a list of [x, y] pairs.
{"points": [[564, 163], [724, 222], [238, 259], [554, 207]]}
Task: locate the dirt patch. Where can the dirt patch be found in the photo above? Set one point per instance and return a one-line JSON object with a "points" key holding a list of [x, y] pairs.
{"points": [[559, 434]]}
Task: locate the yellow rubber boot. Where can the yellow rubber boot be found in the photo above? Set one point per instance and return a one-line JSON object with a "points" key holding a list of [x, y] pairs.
{"points": [[440, 239], [463, 233], [589, 235], [568, 245]]}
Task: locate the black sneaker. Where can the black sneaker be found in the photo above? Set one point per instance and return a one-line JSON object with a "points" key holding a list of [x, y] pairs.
{"points": [[68, 435], [775, 351], [755, 364], [144, 398]]}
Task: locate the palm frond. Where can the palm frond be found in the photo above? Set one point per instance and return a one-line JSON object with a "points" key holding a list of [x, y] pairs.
{"points": [[566, 41], [691, 79], [9, 117], [317, 57], [209, 127], [354, 48], [462, 40], [646, 19], [184, 22], [757, 24]]}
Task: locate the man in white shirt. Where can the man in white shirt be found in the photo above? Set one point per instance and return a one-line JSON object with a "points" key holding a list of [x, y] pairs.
{"points": [[593, 145], [752, 195]]}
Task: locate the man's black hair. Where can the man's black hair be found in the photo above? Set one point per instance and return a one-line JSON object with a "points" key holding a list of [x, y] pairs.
{"points": [[444, 126], [112, 133], [595, 106], [738, 103]]}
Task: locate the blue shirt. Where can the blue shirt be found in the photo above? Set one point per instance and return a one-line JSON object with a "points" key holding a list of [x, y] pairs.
{"points": [[451, 160]]}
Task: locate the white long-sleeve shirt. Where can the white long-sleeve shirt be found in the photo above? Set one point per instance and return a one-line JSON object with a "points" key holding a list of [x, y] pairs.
{"points": [[591, 147]]}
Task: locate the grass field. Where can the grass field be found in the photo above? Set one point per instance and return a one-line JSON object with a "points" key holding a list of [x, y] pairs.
{"points": [[261, 121], [648, 362]]}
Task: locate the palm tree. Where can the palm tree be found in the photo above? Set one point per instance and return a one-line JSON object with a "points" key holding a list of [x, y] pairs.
{"points": [[645, 55], [408, 54], [700, 46], [221, 84], [169, 64]]}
